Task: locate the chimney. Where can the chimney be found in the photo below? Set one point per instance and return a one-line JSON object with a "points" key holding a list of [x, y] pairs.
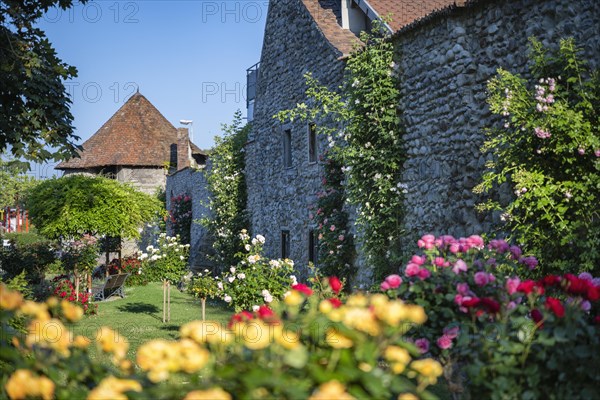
{"points": [[184, 152]]}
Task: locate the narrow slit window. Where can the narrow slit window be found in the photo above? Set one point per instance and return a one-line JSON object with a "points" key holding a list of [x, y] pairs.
{"points": [[285, 244], [313, 247], [287, 148], [312, 143]]}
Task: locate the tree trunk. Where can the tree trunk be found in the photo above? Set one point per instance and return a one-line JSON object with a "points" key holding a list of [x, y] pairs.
{"points": [[164, 301], [168, 301], [76, 285]]}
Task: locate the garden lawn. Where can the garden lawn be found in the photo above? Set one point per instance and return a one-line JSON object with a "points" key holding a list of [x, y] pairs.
{"points": [[138, 316]]}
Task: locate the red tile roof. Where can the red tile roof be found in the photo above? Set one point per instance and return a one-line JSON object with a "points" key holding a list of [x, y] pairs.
{"points": [[405, 12], [328, 17], [136, 135]]}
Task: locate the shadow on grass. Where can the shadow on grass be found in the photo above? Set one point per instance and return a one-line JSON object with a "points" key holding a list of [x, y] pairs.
{"points": [[139, 308]]}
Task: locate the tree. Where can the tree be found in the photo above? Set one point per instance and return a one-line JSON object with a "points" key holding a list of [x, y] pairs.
{"points": [[76, 204], [14, 183], [35, 105]]}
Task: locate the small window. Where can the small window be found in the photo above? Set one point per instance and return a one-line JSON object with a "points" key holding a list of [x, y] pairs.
{"points": [[313, 247], [287, 148], [285, 244], [312, 143]]}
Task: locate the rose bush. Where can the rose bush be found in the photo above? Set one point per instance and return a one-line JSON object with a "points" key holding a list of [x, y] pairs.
{"points": [[303, 347], [255, 280], [481, 315]]}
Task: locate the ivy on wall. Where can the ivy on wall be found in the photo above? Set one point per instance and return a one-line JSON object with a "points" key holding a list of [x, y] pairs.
{"points": [[368, 146], [227, 185]]}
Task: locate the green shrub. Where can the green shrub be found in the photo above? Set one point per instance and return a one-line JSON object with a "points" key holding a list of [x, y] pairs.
{"points": [[27, 252]]}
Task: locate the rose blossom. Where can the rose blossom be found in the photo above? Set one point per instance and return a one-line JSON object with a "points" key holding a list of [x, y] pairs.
{"points": [[481, 278], [444, 342], [393, 281], [424, 274], [423, 345], [452, 333], [412, 270], [512, 284], [462, 288], [384, 286], [459, 266]]}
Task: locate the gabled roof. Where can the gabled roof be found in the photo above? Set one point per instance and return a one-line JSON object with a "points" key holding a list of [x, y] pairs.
{"points": [[405, 12], [327, 15], [136, 135]]}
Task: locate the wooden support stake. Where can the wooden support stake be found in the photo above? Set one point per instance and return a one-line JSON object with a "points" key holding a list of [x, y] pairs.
{"points": [[203, 300], [169, 301], [164, 301]]}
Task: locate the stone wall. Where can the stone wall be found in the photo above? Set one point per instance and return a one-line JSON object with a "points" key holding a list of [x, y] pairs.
{"points": [[279, 197], [147, 180], [193, 183], [445, 65]]}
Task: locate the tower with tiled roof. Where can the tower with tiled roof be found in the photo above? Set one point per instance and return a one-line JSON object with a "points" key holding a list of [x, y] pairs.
{"points": [[137, 145]]}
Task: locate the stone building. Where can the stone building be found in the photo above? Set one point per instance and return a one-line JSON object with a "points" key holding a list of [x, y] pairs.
{"points": [[136, 145], [446, 51]]}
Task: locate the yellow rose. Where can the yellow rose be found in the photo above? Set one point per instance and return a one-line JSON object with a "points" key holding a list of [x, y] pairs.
{"points": [[192, 357], [256, 334], [357, 300], [81, 342], [293, 298], [287, 339], [206, 332], [407, 396], [336, 340], [9, 299], [331, 390], [394, 312], [428, 370], [71, 312], [113, 343], [36, 310], [210, 394], [49, 334], [23, 383], [398, 357], [362, 319], [52, 302], [114, 388], [416, 314], [325, 307], [153, 354]]}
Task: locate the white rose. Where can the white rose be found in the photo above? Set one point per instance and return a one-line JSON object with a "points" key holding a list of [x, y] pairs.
{"points": [[268, 299], [232, 269], [255, 308], [181, 258], [220, 285], [227, 298], [247, 247], [231, 279], [254, 242], [241, 276], [261, 239], [265, 292]]}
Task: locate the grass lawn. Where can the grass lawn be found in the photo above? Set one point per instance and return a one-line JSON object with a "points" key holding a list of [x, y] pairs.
{"points": [[138, 316]]}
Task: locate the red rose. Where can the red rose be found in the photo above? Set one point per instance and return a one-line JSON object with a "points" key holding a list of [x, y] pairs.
{"points": [[336, 303], [471, 302], [526, 286], [537, 317], [550, 280], [576, 285], [265, 313], [240, 317], [556, 306], [593, 293], [302, 288], [492, 305], [335, 284]]}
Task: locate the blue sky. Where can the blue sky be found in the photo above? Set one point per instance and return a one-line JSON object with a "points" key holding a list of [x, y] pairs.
{"points": [[189, 58]]}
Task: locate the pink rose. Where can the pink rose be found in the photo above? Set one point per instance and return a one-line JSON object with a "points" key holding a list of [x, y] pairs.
{"points": [[419, 260], [423, 345], [462, 288], [393, 281], [481, 278], [516, 252], [384, 286], [341, 238], [459, 266], [444, 342], [512, 284], [454, 248], [424, 274], [427, 241], [475, 241], [452, 333], [332, 228], [412, 269], [440, 262]]}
